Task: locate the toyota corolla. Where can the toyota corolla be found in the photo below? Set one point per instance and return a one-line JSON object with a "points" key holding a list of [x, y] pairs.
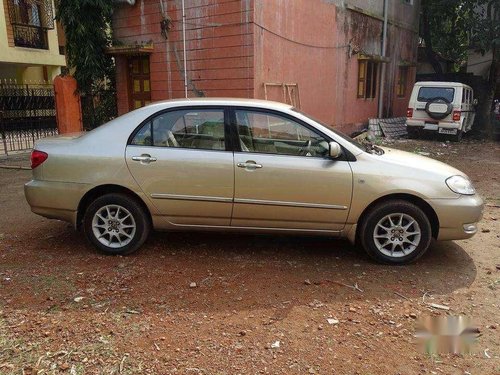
{"points": [[246, 165]]}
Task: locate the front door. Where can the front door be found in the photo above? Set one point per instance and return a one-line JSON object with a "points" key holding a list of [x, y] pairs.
{"points": [[180, 161], [139, 82], [284, 178]]}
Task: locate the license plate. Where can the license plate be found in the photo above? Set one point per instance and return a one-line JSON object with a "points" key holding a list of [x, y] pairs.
{"points": [[431, 127], [447, 131]]}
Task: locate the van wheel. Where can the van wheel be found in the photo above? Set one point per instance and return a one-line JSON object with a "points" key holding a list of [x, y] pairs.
{"points": [[395, 232], [457, 137], [413, 132], [116, 224]]}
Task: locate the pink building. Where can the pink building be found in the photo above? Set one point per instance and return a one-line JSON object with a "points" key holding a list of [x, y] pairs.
{"points": [[324, 56]]}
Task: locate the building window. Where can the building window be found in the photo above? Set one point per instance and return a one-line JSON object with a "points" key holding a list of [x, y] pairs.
{"points": [[30, 20], [367, 79], [410, 2], [402, 81]]}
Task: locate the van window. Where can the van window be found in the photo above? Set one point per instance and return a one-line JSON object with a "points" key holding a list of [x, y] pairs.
{"points": [[427, 94]]}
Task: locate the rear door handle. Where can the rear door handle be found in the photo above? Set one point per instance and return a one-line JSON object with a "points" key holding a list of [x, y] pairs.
{"points": [[144, 158], [250, 164]]}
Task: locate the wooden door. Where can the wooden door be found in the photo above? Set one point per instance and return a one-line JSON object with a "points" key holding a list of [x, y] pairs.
{"points": [[139, 82]]}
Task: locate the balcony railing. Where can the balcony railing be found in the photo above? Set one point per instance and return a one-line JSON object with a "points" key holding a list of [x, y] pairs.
{"points": [[30, 20], [30, 37]]}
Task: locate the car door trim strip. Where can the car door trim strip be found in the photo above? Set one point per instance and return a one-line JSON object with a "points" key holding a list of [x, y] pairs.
{"points": [[290, 204], [202, 198]]}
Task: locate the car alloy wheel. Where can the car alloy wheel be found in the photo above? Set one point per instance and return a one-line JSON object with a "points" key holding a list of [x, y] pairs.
{"points": [[397, 235], [395, 232], [114, 226]]}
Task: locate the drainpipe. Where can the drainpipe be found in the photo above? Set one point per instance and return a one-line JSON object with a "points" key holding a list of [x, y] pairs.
{"points": [[184, 49], [383, 68]]}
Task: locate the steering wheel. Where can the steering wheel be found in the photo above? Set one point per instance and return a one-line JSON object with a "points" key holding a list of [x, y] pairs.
{"points": [[304, 151]]}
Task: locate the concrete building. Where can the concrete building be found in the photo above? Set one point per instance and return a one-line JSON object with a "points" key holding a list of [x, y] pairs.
{"points": [[324, 56], [31, 44]]}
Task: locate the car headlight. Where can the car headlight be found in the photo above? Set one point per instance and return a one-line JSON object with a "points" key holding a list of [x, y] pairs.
{"points": [[460, 185]]}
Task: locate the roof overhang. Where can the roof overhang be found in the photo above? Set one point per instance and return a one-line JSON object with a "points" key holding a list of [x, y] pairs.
{"points": [[130, 50], [382, 59]]}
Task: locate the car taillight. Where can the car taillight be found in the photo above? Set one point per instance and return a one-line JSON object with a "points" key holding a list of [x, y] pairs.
{"points": [[456, 115], [37, 158], [409, 112]]}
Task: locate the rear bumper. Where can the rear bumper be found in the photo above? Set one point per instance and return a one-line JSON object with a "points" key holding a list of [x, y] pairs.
{"points": [[440, 124], [55, 200], [458, 217]]}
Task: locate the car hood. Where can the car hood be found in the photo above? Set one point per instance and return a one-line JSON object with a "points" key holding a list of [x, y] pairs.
{"points": [[414, 161]]}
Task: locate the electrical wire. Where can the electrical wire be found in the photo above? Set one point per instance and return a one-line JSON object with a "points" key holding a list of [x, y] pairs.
{"points": [[206, 25]]}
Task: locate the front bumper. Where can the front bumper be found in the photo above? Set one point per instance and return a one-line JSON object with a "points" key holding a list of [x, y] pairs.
{"points": [[458, 217], [55, 200]]}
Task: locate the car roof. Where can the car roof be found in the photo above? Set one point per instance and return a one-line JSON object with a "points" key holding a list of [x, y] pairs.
{"points": [[441, 84], [257, 103]]}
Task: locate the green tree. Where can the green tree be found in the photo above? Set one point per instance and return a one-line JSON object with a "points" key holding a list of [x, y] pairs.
{"points": [[86, 24], [485, 37], [452, 28]]}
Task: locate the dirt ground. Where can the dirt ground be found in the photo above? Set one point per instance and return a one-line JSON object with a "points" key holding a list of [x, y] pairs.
{"points": [[64, 308]]}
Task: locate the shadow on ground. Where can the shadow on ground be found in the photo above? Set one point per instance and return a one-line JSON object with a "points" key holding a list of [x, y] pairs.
{"points": [[231, 272]]}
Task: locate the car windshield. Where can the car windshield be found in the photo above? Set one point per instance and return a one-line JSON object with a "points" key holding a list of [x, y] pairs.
{"points": [[365, 146], [427, 94], [340, 134]]}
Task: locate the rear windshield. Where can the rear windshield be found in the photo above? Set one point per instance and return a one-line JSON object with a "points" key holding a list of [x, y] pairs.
{"points": [[427, 94]]}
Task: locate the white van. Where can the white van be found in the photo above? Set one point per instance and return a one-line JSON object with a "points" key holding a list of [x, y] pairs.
{"points": [[444, 107]]}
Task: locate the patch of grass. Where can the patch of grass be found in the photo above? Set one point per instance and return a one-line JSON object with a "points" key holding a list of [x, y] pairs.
{"points": [[18, 356]]}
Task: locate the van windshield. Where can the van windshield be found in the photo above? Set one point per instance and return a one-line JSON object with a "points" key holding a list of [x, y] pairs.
{"points": [[427, 94]]}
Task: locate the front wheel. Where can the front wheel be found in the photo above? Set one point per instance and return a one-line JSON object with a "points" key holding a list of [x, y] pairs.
{"points": [[396, 232], [116, 224]]}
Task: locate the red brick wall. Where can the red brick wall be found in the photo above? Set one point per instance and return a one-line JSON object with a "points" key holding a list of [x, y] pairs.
{"points": [[219, 41]]}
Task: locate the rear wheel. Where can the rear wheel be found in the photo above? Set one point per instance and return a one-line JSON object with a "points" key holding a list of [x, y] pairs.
{"points": [[116, 224], [413, 132], [396, 232], [457, 137]]}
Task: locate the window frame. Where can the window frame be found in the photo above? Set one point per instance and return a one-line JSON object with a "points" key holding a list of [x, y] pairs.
{"points": [[227, 133], [237, 146], [402, 82], [367, 72]]}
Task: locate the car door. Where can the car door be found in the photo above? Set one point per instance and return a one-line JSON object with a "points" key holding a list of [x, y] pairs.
{"points": [[283, 176], [180, 160]]}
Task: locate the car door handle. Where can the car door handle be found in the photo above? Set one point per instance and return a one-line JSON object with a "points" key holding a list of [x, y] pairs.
{"points": [[144, 158], [250, 164]]}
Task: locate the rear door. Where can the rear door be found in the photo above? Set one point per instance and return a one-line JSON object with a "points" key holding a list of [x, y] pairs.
{"points": [[180, 160], [284, 178]]}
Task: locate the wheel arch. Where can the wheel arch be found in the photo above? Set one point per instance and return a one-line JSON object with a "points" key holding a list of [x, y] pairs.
{"points": [[101, 190], [417, 201]]}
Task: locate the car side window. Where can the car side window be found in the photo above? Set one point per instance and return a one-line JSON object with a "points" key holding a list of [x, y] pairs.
{"points": [[273, 134], [197, 128]]}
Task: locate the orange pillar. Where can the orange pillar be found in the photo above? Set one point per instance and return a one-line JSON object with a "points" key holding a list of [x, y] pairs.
{"points": [[68, 105]]}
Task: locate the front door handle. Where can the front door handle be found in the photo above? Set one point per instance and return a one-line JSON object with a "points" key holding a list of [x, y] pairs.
{"points": [[144, 158], [249, 164]]}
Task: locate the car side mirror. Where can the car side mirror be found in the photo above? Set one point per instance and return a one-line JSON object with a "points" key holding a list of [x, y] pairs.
{"points": [[474, 102], [335, 150]]}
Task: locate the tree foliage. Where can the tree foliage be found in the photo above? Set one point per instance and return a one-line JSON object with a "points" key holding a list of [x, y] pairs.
{"points": [[450, 28], [86, 24]]}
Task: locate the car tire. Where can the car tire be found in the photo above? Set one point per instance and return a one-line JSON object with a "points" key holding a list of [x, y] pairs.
{"points": [[401, 243], [116, 224], [457, 137], [413, 132]]}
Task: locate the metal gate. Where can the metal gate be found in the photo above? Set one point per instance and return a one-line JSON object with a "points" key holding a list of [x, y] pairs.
{"points": [[27, 113]]}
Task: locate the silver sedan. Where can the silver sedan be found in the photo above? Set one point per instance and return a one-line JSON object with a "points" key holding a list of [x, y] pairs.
{"points": [[246, 165]]}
